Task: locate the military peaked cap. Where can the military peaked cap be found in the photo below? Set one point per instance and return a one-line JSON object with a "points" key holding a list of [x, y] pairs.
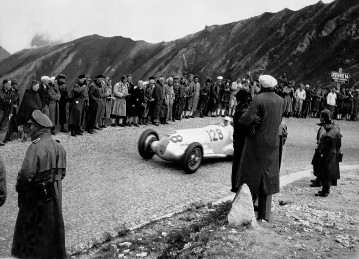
{"points": [[61, 76], [40, 119]]}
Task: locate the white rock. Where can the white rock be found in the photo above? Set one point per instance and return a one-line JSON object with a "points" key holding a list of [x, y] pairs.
{"points": [[242, 211], [125, 244], [143, 254]]}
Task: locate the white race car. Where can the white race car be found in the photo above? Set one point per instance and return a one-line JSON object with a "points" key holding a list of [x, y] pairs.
{"points": [[188, 146]]}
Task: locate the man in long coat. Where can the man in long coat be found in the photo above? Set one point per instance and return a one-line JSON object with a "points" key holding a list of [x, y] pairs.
{"points": [[61, 81], [39, 229], [3, 192], [54, 95], [77, 98], [259, 164], [94, 103], [158, 96]]}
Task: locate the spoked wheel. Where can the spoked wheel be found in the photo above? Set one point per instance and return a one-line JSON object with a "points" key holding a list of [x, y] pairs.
{"points": [[192, 158], [145, 141]]}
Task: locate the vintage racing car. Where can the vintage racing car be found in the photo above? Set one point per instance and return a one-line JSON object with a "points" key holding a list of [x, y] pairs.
{"points": [[188, 146]]}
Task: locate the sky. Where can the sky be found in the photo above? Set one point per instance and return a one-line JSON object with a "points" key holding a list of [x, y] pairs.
{"points": [[149, 20]]}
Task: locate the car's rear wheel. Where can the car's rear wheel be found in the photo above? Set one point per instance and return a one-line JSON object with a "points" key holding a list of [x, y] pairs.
{"points": [[145, 141], [192, 158]]}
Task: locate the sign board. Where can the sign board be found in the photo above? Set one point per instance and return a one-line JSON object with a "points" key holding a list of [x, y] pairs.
{"points": [[342, 78]]}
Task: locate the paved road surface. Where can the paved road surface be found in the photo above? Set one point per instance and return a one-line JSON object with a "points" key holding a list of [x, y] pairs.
{"points": [[108, 184]]}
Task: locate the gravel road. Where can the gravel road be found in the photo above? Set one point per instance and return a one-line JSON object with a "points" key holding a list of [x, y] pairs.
{"points": [[108, 184]]}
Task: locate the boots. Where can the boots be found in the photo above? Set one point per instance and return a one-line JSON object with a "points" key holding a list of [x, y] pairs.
{"points": [[63, 129]]}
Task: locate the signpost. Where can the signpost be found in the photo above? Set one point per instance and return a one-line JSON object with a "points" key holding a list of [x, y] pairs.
{"points": [[340, 77]]}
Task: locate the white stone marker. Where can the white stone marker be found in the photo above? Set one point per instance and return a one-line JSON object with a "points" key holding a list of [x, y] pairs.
{"points": [[242, 211]]}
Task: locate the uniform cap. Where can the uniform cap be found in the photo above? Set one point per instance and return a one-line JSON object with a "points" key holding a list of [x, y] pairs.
{"points": [[176, 77], [99, 76], [61, 76], [267, 81], [82, 76], [40, 119], [88, 77], [13, 82]]}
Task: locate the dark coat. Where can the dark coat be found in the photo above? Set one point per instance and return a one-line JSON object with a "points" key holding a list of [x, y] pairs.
{"points": [[2, 183], [39, 229], [158, 96], [54, 109], [239, 136], [30, 102], [325, 161], [77, 98], [259, 165]]}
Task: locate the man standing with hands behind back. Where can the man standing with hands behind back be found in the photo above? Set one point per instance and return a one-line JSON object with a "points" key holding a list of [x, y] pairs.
{"points": [[259, 164]]}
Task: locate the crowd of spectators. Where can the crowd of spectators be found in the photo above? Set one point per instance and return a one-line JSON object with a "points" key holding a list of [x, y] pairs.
{"points": [[304, 101], [90, 104]]}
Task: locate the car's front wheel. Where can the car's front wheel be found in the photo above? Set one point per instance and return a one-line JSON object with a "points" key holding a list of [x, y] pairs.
{"points": [[145, 141], [192, 158]]}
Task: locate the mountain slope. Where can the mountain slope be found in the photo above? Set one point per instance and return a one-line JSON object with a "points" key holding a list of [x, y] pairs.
{"points": [[3, 53], [307, 44]]}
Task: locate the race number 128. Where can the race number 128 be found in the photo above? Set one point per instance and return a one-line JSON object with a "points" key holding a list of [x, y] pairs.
{"points": [[215, 135]]}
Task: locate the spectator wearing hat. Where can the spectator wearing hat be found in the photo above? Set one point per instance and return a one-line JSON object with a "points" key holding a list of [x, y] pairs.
{"points": [[190, 97], [287, 93], [54, 108], [165, 102], [214, 97], [39, 229], [158, 96], [299, 96], [120, 92], [171, 99], [306, 110], [225, 96], [61, 82], [108, 99], [356, 105], [259, 163], [76, 102], [233, 101], [197, 87], [148, 100], [204, 93], [12, 132], [3, 191], [239, 134], [6, 106], [331, 101], [178, 89], [86, 103], [44, 94], [30, 102], [327, 155], [101, 109], [94, 94]]}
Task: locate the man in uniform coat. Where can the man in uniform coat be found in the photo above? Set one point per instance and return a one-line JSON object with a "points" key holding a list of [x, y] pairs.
{"points": [[5, 109], [158, 96], [39, 229], [94, 94], [259, 164], [77, 97], [61, 81], [2, 183]]}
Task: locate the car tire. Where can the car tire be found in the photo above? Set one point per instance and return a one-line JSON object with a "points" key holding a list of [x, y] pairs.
{"points": [[144, 143], [192, 158]]}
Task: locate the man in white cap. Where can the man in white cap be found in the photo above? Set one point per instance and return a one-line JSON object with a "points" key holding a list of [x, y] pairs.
{"points": [[228, 126], [44, 94], [259, 164]]}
